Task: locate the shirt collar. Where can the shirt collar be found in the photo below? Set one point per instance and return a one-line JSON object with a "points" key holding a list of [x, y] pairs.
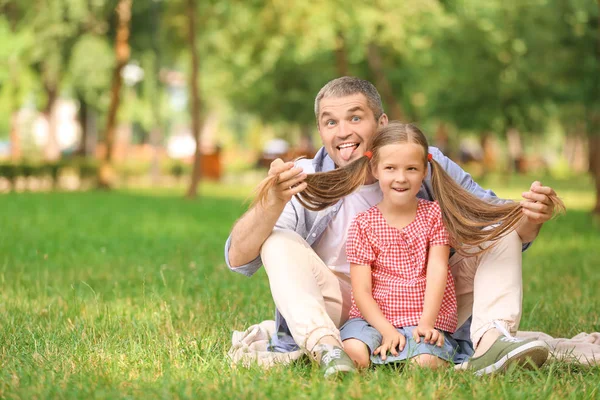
{"points": [[322, 162]]}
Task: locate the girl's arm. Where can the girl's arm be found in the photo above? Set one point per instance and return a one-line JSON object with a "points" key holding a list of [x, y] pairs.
{"points": [[437, 276], [360, 276]]}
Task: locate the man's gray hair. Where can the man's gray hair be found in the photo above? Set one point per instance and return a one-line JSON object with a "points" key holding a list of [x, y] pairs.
{"points": [[347, 86]]}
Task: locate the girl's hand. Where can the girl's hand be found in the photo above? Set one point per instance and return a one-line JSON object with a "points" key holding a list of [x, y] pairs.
{"points": [[392, 341], [430, 335]]}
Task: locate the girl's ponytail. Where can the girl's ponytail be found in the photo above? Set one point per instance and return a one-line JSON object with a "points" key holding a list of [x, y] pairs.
{"points": [[471, 221], [324, 189]]}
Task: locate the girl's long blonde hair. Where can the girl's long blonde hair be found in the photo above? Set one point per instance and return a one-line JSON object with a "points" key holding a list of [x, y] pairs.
{"points": [[465, 215]]}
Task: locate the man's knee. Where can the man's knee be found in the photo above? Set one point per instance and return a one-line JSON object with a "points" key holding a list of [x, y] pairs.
{"points": [[279, 241], [358, 352], [508, 245], [511, 240]]}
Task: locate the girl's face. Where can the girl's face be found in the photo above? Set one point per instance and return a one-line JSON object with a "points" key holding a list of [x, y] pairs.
{"points": [[400, 171]]}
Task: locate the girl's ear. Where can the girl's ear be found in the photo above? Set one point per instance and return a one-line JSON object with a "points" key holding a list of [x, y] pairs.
{"points": [[373, 169]]}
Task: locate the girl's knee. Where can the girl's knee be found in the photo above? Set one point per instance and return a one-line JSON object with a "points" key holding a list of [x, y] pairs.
{"points": [[358, 352], [428, 361]]}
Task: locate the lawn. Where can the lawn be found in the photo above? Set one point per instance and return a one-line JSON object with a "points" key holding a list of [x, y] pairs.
{"points": [[126, 295]]}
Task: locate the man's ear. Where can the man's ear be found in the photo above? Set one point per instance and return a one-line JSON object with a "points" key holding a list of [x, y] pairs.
{"points": [[383, 120]]}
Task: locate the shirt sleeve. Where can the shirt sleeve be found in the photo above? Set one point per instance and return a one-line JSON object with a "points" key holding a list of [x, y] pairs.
{"points": [[358, 246], [438, 235], [287, 220]]}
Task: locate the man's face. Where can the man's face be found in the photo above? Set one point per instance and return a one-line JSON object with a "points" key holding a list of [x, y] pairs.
{"points": [[346, 126]]}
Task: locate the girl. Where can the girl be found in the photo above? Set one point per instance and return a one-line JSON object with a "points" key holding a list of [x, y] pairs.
{"points": [[403, 293]]}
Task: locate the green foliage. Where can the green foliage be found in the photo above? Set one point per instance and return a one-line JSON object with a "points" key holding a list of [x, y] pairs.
{"points": [[176, 168], [86, 169], [91, 64], [480, 66]]}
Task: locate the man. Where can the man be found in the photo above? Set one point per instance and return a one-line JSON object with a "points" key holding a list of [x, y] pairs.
{"points": [[304, 252]]}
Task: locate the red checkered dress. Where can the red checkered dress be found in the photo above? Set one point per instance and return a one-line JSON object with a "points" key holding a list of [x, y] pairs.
{"points": [[398, 260]]}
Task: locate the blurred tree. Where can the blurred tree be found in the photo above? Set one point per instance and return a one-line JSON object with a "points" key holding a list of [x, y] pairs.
{"points": [[195, 104], [575, 74], [90, 69], [17, 80], [66, 50], [487, 78], [294, 47], [122, 52]]}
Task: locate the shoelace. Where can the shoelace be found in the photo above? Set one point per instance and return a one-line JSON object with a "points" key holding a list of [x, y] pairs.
{"points": [[507, 336], [331, 355]]}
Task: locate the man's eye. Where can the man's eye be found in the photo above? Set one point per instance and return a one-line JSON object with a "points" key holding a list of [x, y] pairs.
{"points": [[330, 122], [355, 118]]}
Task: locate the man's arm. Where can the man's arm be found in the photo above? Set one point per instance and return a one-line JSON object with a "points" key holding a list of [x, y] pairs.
{"points": [[255, 226]]}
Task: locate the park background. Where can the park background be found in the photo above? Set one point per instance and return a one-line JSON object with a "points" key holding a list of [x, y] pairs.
{"points": [[133, 132]]}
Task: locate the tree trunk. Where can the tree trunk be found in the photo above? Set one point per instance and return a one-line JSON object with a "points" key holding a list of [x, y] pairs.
{"points": [[341, 56], [195, 103], [575, 149], [82, 116], [123, 10], [52, 150], [15, 138], [594, 143], [441, 140], [516, 161], [489, 149], [594, 129], [156, 131], [383, 84]]}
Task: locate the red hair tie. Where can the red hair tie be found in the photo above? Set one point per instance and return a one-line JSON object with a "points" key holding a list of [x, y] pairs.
{"points": [[429, 157], [369, 154]]}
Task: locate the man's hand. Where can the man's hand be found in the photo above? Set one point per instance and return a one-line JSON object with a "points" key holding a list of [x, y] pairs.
{"points": [[392, 341], [537, 206], [430, 335], [289, 182]]}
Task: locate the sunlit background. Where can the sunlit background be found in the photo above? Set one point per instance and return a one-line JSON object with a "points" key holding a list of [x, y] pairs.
{"points": [[117, 93]]}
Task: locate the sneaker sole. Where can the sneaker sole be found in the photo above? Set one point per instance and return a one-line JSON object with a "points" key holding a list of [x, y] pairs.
{"points": [[531, 355], [339, 369]]}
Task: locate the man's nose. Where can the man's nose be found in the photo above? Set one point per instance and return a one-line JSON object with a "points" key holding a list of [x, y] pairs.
{"points": [[344, 130]]}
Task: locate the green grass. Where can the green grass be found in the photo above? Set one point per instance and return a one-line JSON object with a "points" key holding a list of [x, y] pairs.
{"points": [[126, 295]]}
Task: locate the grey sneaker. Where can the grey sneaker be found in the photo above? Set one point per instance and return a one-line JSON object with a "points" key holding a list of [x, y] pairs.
{"points": [[508, 350], [335, 362]]}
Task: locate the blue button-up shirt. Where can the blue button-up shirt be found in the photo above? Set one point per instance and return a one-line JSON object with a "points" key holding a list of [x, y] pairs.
{"points": [[311, 225]]}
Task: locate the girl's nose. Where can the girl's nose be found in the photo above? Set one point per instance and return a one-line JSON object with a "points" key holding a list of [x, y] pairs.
{"points": [[400, 177]]}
